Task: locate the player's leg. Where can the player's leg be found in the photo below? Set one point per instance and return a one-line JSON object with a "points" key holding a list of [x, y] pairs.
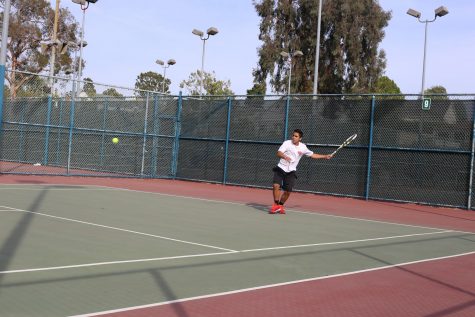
{"points": [[276, 185], [288, 184]]}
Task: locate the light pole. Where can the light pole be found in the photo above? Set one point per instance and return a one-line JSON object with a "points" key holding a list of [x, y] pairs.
{"points": [[210, 31], [289, 57], [84, 5], [162, 63], [439, 12], [74, 70], [317, 48]]}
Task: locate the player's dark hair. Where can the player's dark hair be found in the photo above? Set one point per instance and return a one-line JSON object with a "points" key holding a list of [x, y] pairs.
{"points": [[299, 132]]}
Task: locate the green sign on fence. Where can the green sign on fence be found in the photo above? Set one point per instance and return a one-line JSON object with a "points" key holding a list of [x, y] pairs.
{"points": [[426, 103]]}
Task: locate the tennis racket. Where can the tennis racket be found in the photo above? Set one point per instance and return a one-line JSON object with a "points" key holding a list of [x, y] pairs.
{"points": [[347, 141]]}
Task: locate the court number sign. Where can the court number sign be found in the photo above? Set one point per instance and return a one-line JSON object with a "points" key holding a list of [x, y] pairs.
{"points": [[426, 103]]}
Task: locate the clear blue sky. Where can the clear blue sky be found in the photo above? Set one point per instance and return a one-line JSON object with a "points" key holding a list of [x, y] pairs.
{"points": [[126, 37]]}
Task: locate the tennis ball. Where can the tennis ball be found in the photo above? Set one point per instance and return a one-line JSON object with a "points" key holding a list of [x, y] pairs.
{"points": [[115, 140]]}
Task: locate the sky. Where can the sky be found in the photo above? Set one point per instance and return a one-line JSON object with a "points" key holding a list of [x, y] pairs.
{"points": [[125, 38]]}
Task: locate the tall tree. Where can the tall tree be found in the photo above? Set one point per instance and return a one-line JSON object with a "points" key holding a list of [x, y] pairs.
{"points": [[385, 85], [31, 22], [112, 92], [349, 57], [151, 81], [211, 85], [439, 91], [89, 87]]}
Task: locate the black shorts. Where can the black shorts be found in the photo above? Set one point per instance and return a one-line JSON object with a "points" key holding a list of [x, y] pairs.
{"points": [[285, 180]]}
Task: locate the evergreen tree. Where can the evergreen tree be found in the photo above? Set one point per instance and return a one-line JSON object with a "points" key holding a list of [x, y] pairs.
{"points": [[211, 85], [151, 81], [112, 92], [89, 87], [439, 91], [31, 23], [351, 31]]}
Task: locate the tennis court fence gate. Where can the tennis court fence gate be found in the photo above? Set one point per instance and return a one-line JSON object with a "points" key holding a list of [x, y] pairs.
{"points": [[409, 149]]}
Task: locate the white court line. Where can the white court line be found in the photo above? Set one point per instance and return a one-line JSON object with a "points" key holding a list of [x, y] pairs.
{"points": [[112, 262], [120, 229], [210, 254], [243, 204], [269, 286], [344, 242], [49, 188], [287, 209]]}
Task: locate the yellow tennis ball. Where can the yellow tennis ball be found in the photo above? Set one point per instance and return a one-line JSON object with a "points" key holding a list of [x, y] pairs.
{"points": [[115, 140]]}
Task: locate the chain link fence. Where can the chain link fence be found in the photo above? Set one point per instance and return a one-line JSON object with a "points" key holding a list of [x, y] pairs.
{"points": [[408, 149]]}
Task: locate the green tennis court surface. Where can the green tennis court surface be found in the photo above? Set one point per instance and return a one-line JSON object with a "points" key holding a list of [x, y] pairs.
{"points": [[68, 250]]}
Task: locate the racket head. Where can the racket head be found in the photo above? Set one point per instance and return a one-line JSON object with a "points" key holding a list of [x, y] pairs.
{"points": [[350, 139], [347, 141]]}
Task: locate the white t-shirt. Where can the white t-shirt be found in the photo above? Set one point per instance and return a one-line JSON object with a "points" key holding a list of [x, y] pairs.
{"points": [[295, 152]]}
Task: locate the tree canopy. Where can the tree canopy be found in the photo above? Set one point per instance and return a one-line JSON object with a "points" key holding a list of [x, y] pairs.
{"points": [[112, 92], [385, 85], [437, 90], [89, 87], [152, 81], [211, 85], [31, 22], [350, 61]]}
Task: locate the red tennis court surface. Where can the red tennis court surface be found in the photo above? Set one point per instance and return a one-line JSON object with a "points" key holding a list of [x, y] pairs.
{"points": [[436, 288], [432, 289]]}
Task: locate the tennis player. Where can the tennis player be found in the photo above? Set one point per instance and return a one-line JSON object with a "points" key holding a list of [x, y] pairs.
{"points": [[290, 153]]}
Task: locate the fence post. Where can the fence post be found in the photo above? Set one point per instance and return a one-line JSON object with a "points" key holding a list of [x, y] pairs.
{"points": [[71, 127], [286, 119], [144, 135], [226, 147], [60, 122], [48, 124], [21, 153], [155, 135], [472, 155], [370, 149], [104, 120], [176, 145]]}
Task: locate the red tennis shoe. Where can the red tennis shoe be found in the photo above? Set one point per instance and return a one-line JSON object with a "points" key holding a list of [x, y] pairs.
{"points": [[274, 209], [281, 209]]}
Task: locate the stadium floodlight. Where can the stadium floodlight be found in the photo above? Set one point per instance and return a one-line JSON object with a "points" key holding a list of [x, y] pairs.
{"points": [[197, 32], [289, 57], [170, 62], [414, 13], [439, 12], [210, 32], [84, 2]]}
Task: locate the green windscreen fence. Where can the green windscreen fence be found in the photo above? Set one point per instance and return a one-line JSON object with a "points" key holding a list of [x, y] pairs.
{"points": [[404, 151]]}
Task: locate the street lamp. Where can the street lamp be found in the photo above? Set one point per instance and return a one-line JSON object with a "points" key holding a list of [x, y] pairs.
{"points": [[84, 5], [210, 31], [289, 57], [439, 12], [162, 63]]}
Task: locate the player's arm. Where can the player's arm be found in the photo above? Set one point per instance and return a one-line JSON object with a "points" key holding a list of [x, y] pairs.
{"points": [[321, 156], [281, 155]]}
